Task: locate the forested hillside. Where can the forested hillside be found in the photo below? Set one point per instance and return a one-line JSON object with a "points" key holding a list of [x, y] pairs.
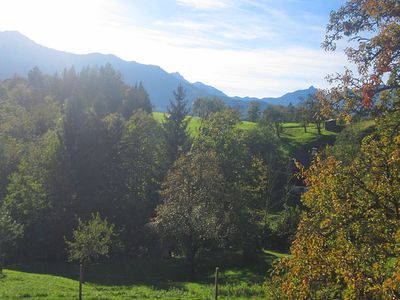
{"points": [[19, 54], [279, 201], [84, 143]]}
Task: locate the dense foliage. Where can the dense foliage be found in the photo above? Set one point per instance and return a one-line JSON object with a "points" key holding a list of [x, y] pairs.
{"points": [[84, 142], [372, 28], [91, 240], [347, 241], [203, 107], [346, 245], [9, 232], [191, 212]]}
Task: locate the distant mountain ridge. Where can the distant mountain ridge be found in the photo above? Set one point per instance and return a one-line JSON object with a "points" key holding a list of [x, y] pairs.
{"points": [[19, 54]]}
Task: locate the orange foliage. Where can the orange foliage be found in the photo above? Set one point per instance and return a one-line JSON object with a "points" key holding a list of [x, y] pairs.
{"points": [[347, 243], [377, 58]]}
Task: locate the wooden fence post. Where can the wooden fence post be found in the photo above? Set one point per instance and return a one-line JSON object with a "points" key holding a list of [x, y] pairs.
{"points": [[216, 284]]}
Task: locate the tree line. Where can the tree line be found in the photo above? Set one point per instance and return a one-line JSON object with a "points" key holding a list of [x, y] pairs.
{"points": [[307, 111], [82, 143]]}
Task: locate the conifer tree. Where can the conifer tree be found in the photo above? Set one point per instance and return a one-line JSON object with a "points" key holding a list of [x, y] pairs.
{"points": [[176, 126]]}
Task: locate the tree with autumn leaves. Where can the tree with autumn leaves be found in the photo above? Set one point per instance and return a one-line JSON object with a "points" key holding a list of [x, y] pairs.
{"points": [[347, 242], [372, 28]]}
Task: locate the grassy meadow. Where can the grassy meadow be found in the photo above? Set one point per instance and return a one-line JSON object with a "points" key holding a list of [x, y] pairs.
{"points": [[293, 133], [142, 279], [295, 142]]}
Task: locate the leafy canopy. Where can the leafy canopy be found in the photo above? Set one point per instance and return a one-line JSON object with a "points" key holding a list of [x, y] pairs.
{"points": [[91, 240], [347, 243], [372, 28], [191, 212], [10, 231]]}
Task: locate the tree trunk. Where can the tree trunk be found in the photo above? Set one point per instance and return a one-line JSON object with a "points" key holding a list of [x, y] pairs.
{"points": [[305, 128], [2, 264], [84, 271], [190, 257], [277, 129], [80, 280], [319, 127]]}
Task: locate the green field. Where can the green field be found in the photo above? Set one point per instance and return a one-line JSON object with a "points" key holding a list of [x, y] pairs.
{"points": [[294, 137], [293, 134], [195, 122], [141, 279]]}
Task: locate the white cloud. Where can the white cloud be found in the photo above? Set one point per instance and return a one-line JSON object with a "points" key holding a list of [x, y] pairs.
{"points": [[185, 25], [257, 73], [205, 4]]}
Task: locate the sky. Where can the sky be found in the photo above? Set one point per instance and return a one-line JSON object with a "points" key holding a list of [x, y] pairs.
{"points": [[262, 48]]}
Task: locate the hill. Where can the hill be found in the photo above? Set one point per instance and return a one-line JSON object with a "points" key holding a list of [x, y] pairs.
{"points": [[293, 133], [19, 54]]}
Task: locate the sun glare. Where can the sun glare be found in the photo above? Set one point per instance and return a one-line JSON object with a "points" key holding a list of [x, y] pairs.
{"points": [[67, 25]]}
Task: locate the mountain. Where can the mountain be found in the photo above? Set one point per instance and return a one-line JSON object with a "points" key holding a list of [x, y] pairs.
{"points": [[19, 54], [211, 90], [290, 98], [293, 98]]}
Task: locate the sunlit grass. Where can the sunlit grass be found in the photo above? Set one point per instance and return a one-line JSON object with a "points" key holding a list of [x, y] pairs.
{"points": [[193, 127], [292, 135], [143, 279]]}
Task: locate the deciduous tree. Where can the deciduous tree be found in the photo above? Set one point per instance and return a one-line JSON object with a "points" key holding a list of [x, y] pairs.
{"points": [[274, 116], [203, 107], [10, 231], [191, 212], [91, 240], [245, 176], [347, 243], [372, 28], [313, 111], [253, 111]]}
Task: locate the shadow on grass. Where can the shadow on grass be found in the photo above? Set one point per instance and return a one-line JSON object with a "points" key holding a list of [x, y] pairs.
{"points": [[302, 150], [163, 274]]}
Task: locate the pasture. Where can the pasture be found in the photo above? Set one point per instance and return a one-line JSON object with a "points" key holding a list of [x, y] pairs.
{"points": [[142, 279]]}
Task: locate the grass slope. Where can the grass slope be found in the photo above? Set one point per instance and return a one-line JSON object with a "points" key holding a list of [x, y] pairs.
{"points": [[195, 122], [292, 132], [294, 138], [296, 143], [141, 279]]}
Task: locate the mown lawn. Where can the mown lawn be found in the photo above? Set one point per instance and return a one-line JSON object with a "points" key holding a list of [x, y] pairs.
{"points": [[294, 134], [142, 279]]}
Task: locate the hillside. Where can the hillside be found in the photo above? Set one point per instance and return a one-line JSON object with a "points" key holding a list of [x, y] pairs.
{"points": [[293, 134], [296, 142], [19, 54]]}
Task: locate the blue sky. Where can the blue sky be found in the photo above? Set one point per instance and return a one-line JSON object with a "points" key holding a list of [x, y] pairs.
{"points": [[243, 47]]}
